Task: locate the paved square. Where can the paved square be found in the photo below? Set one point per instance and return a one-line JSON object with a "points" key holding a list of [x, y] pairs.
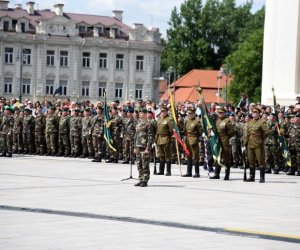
{"points": [[63, 203]]}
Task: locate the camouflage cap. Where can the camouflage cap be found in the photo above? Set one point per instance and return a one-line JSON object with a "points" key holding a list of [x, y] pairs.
{"points": [[143, 110]]}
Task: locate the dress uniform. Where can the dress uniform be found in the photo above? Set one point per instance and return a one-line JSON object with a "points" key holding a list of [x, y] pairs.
{"points": [[163, 140], [257, 132]]}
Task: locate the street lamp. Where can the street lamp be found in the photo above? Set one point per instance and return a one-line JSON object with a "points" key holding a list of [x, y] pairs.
{"points": [[22, 58], [226, 70], [219, 77]]}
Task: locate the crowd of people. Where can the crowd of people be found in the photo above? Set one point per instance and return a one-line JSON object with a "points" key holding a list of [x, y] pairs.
{"points": [[250, 134]]}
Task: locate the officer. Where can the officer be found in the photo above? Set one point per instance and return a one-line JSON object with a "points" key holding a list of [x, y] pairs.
{"points": [[143, 141], [64, 134], [225, 130], [163, 140], [257, 132], [128, 131], [193, 131], [6, 129]]}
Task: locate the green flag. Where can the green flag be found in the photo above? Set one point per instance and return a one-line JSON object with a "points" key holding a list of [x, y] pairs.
{"points": [[107, 133]]}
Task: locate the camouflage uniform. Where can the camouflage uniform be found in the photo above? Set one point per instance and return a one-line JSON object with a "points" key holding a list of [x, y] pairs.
{"points": [[143, 141], [234, 141], [28, 134], [97, 137], [153, 123], [51, 133], [294, 148], [64, 136], [115, 128], [86, 138], [1, 138], [128, 128], [17, 136], [39, 132], [75, 132], [6, 129]]}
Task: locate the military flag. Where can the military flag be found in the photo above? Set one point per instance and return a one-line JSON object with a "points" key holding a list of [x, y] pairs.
{"points": [[107, 133], [58, 91]]}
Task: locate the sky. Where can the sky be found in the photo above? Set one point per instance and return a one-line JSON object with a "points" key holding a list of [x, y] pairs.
{"points": [[152, 13]]}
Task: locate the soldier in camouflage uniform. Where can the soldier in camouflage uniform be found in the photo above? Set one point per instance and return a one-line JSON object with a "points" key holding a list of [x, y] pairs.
{"points": [[294, 145], [1, 119], [17, 136], [39, 131], [28, 132], [75, 132], [64, 134], [86, 136], [143, 141], [154, 128], [193, 131], [234, 141], [257, 132], [128, 131], [6, 129], [272, 148], [98, 135], [115, 128], [51, 131], [163, 140], [225, 131]]}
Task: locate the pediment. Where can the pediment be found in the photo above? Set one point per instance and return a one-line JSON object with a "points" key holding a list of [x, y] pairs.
{"points": [[8, 73], [103, 78], [50, 76], [26, 75], [63, 76]]}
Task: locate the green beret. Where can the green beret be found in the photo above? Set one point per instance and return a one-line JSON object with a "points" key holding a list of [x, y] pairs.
{"points": [[51, 108]]}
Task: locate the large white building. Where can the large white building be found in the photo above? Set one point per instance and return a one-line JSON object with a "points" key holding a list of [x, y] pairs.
{"points": [[84, 54], [281, 68]]}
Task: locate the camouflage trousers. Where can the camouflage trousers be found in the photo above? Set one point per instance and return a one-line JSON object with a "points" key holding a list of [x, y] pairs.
{"points": [[295, 156], [28, 142], [208, 159], [117, 145], [236, 152], [64, 144], [51, 141], [39, 142], [201, 149], [142, 162], [164, 152], [273, 153], [75, 141], [17, 142], [7, 143], [98, 145], [128, 148], [87, 145]]}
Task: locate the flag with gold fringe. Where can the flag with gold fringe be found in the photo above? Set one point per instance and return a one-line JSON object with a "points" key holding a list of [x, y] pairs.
{"points": [[107, 133]]}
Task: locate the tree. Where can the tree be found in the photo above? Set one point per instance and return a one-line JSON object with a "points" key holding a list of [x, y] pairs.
{"points": [[246, 64]]}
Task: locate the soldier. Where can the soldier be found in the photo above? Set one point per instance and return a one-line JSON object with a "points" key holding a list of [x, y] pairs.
{"points": [[39, 131], [234, 142], [75, 132], [193, 131], [17, 132], [294, 145], [6, 129], [97, 134], [86, 140], [257, 132], [142, 146], [163, 139], [225, 131], [28, 132], [272, 149], [51, 131], [128, 131], [154, 128], [64, 134]]}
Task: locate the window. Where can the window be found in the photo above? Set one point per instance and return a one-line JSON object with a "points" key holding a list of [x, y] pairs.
{"points": [[86, 59], [82, 29], [102, 60], [64, 58], [49, 87], [9, 53], [64, 85], [6, 25], [8, 85], [26, 56], [138, 91], [50, 57], [85, 88], [139, 62], [26, 86], [119, 89], [101, 90], [119, 61], [23, 27]]}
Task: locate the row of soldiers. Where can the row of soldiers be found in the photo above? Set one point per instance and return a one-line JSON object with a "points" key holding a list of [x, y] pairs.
{"points": [[246, 140]]}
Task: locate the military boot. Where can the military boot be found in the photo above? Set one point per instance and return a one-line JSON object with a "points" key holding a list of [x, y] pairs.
{"points": [[262, 175], [188, 168], [298, 173], [168, 169], [291, 171], [227, 173], [9, 154], [144, 183], [161, 168], [197, 170], [3, 154], [138, 184], [252, 175], [217, 173]]}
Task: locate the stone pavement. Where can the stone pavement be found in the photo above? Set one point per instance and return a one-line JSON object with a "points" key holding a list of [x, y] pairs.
{"points": [[61, 203]]}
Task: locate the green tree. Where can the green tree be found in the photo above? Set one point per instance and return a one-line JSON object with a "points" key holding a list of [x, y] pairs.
{"points": [[246, 64]]}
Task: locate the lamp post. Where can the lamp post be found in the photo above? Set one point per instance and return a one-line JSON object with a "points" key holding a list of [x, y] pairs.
{"points": [[226, 70], [219, 77]]}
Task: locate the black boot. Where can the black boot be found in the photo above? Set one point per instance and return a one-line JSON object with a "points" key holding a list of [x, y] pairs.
{"points": [[138, 184], [262, 175], [217, 173], [161, 168], [188, 168], [291, 171], [168, 169], [9, 154], [197, 170], [298, 173], [3, 154], [144, 184], [252, 175], [227, 173]]}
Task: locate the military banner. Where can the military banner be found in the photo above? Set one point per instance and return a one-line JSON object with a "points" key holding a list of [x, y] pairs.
{"points": [[107, 133]]}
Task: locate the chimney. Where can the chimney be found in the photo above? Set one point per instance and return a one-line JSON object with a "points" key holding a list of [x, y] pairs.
{"points": [[118, 14], [58, 8], [30, 8], [138, 25], [4, 5], [18, 6]]}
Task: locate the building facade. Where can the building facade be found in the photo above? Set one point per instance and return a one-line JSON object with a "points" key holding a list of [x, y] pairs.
{"points": [[86, 55]]}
